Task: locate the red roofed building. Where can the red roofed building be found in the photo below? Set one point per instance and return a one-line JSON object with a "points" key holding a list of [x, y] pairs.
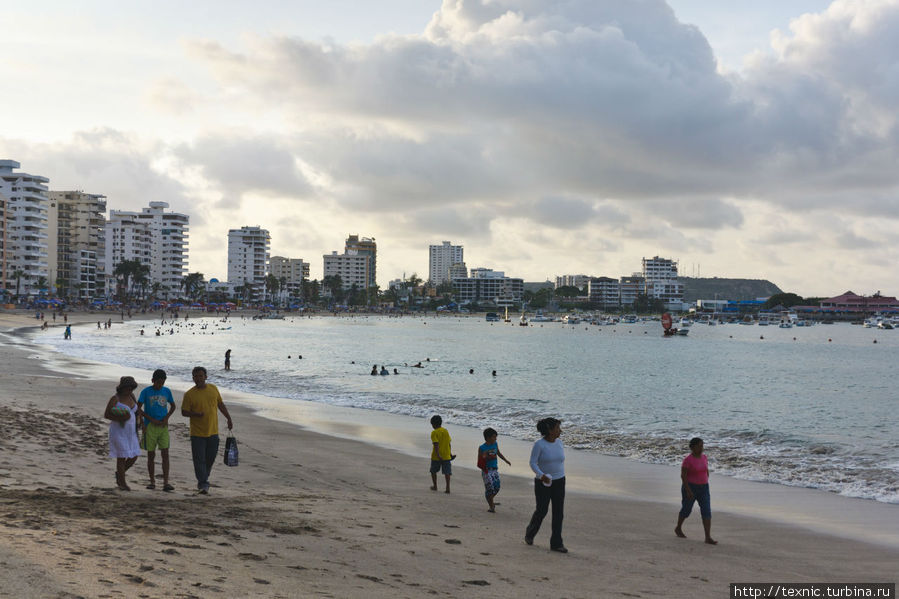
{"points": [[850, 302]]}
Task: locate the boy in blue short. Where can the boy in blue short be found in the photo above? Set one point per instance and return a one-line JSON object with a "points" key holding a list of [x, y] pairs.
{"points": [[441, 454], [157, 405], [487, 454]]}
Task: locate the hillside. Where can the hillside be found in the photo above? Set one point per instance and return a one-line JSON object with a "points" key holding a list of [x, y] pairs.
{"points": [[732, 289]]}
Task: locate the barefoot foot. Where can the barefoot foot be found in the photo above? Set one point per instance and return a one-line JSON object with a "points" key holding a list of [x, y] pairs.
{"points": [[711, 541], [680, 533], [434, 488]]}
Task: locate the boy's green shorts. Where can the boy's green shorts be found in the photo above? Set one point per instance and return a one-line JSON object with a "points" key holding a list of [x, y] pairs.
{"points": [[155, 437]]}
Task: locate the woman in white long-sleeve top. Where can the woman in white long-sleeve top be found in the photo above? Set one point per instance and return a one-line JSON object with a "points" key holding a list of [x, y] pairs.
{"points": [[548, 464]]}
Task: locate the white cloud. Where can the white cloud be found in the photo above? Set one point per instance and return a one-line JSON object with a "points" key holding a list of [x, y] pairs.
{"points": [[606, 121]]}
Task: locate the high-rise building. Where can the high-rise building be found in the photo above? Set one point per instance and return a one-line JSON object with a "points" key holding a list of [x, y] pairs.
{"points": [[80, 243], [579, 281], [26, 228], [248, 258], [660, 275], [604, 291], [440, 259], [155, 238], [292, 271], [364, 246], [351, 266]]}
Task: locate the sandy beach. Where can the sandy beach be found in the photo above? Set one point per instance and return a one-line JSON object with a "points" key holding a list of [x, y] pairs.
{"points": [[312, 515]]}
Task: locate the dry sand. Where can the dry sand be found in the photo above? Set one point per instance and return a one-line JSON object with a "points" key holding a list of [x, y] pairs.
{"points": [[308, 515]]}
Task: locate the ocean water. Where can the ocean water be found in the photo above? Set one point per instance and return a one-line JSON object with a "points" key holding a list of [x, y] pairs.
{"points": [[812, 407]]}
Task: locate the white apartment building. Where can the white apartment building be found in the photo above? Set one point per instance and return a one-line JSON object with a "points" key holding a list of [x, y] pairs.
{"points": [[153, 237], [351, 266], [661, 280], [441, 258], [364, 246], [501, 291], [579, 281], [248, 257], [293, 271], [604, 291], [80, 244], [26, 228], [487, 273]]}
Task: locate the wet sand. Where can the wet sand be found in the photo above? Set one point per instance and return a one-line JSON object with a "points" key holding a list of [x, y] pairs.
{"points": [[312, 515]]}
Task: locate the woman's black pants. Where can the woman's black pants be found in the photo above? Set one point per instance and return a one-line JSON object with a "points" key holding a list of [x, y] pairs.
{"points": [[555, 494]]}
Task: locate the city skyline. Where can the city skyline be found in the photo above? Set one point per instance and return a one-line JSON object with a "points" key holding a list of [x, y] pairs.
{"points": [[547, 138]]}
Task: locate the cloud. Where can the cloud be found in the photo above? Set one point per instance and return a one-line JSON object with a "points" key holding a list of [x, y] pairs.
{"points": [[105, 161], [511, 123], [239, 164]]}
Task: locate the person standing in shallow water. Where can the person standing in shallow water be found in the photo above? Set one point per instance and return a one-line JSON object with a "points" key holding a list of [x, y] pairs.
{"points": [[548, 464], [228, 360], [694, 474]]}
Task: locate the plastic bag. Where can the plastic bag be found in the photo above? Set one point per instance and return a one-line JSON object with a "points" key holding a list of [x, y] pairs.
{"points": [[231, 456]]}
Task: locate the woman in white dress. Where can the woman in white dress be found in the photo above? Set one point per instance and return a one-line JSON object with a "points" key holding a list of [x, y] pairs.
{"points": [[122, 410]]}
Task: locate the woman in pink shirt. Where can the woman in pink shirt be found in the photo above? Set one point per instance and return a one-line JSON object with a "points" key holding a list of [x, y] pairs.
{"points": [[694, 474]]}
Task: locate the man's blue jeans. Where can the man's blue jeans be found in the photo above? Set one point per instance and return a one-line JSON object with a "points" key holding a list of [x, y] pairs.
{"points": [[204, 451]]}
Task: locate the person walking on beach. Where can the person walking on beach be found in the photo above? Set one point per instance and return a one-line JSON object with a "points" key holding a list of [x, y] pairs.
{"points": [[68, 332], [487, 454], [694, 475], [441, 454], [158, 405], [228, 360], [122, 410], [201, 404], [548, 464]]}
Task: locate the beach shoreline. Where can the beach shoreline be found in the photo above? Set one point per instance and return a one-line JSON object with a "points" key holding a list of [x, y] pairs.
{"points": [[347, 518]]}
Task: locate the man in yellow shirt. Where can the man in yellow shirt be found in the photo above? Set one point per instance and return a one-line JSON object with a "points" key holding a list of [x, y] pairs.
{"points": [[201, 404]]}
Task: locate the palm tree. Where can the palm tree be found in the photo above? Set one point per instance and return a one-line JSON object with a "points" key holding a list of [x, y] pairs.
{"points": [[18, 275], [335, 285], [61, 286], [193, 284], [373, 293], [271, 284], [41, 284], [128, 270]]}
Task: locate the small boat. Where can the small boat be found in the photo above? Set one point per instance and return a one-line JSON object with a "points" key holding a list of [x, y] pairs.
{"points": [[571, 319], [885, 324], [682, 332], [523, 321], [784, 324], [541, 317], [492, 317]]}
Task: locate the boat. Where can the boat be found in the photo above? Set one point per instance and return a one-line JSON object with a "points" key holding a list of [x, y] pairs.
{"points": [[785, 324], [682, 332], [541, 317], [571, 319], [523, 321], [492, 317], [684, 323], [885, 324], [763, 321]]}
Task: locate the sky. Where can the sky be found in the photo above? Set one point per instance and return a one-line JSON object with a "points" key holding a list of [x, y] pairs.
{"points": [[548, 137]]}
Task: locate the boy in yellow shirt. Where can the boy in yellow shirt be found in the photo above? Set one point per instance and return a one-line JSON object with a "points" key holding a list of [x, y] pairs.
{"points": [[441, 454]]}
